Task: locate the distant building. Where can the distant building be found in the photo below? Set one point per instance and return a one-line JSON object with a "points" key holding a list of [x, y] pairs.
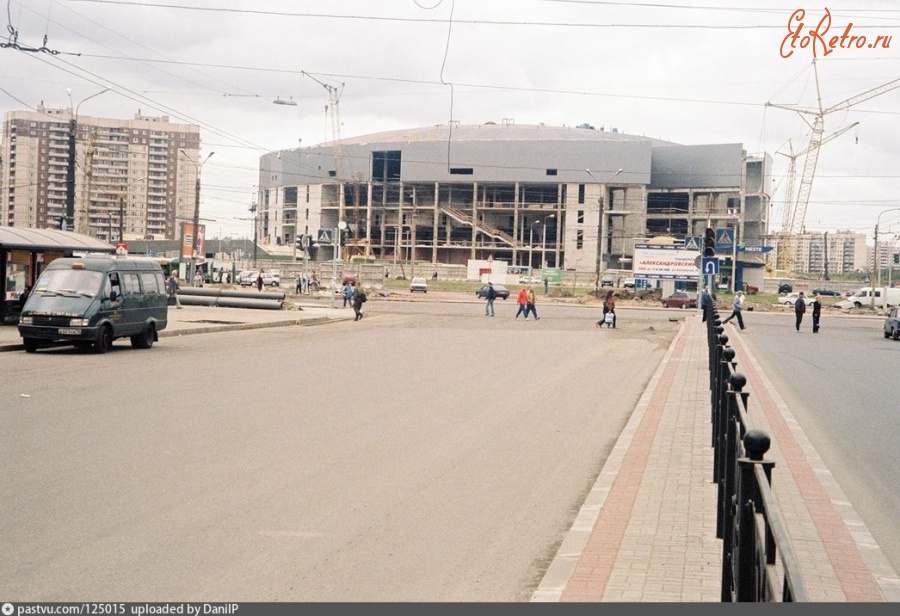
{"points": [[842, 252], [129, 174], [514, 193]]}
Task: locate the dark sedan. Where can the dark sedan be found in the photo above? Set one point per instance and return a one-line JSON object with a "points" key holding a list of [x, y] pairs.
{"points": [[825, 291], [501, 291], [680, 299]]}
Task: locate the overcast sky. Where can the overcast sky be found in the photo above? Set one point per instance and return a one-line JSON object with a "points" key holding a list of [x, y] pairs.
{"points": [[688, 72]]}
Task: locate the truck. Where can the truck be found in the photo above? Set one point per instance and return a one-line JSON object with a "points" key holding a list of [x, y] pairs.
{"points": [[863, 298]]}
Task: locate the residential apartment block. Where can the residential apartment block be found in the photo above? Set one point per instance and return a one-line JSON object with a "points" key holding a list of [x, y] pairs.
{"points": [[842, 252], [133, 178]]}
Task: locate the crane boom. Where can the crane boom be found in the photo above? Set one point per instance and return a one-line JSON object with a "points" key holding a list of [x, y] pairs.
{"points": [[795, 216], [334, 98]]}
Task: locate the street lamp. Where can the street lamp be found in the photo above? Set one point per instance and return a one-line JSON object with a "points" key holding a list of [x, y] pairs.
{"points": [[336, 245], [531, 244], [601, 231], [544, 242], [875, 252], [196, 230], [70, 167]]}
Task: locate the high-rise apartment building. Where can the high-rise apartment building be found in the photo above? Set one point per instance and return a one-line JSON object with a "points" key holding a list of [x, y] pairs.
{"points": [[133, 178], [840, 252]]}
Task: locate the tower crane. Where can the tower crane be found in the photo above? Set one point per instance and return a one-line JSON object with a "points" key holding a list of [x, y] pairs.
{"points": [[785, 249], [334, 98], [817, 126]]}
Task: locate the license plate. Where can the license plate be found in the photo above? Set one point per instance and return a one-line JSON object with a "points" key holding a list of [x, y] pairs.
{"points": [[69, 332]]}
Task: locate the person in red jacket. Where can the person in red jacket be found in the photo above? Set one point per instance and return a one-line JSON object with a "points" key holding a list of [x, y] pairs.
{"points": [[522, 300]]}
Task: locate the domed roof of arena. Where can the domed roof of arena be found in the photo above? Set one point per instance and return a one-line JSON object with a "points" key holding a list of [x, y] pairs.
{"points": [[491, 131]]}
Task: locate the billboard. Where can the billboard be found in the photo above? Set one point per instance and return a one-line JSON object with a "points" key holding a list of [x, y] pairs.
{"points": [[665, 263], [187, 240]]}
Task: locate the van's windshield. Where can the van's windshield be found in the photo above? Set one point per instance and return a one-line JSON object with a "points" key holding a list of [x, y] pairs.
{"points": [[69, 282]]}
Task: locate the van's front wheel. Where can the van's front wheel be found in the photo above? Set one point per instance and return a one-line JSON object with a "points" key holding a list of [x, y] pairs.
{"points": [[104, 340], [145, 339]]}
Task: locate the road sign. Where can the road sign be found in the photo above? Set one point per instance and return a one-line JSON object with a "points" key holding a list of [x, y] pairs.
{"points": [[324, 236], [754, 248], [709, 266], [724, 235], [693, 242]]}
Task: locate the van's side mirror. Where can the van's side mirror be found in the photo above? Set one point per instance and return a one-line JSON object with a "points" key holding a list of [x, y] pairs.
{"points": [[113, 296]]}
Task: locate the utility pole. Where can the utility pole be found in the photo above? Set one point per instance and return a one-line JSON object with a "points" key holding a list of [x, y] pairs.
{"points": [[601, 231], [196, 222], [70, 167]]}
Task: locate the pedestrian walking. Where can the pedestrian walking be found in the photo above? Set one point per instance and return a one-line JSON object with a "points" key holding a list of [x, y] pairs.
{"points": [[359, 298], [737, 307], [609, 311], [816, 313], [259, 282], [799, 310], [522, 301], [529, 307], [348, 295], [489, 295], [706, 303], [198, 279], [172, 287]]}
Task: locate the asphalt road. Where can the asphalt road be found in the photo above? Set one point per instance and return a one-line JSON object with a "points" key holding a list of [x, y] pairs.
{"points": [[840, 385], [427, 453]]}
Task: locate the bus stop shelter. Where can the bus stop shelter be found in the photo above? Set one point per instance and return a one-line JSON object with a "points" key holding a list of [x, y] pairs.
{"points": [[24, 253]]}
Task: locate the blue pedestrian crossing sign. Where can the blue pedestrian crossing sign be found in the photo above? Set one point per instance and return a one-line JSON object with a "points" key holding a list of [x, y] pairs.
{"points": [[693, 242], [709, 266], [324, 236], [724, 235]]}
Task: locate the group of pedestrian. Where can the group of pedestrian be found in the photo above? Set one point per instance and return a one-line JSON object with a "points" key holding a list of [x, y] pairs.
{"points": [[525, 300], [800, 310]]}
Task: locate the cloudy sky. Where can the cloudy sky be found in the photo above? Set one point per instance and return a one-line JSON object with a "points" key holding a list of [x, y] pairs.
{"points": [[691, 72]]}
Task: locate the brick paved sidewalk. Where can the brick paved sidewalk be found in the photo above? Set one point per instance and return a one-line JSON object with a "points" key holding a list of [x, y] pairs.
{"points": [[647, 530]]}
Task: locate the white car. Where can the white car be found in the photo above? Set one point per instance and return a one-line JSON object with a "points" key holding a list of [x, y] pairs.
{"points": [[418, 284], [791, 298], [529, 280]]}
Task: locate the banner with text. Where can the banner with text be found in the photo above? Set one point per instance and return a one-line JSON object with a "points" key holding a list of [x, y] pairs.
{"points": [[665, 263]]}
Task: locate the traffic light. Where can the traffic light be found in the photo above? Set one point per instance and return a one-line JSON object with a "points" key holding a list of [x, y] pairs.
{"points": [[897, 258], [709, 243]]}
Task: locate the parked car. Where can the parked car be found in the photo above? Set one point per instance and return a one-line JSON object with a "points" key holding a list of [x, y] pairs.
{"points": [[418, 284], [629, 283], [529, 280], [501, 291], [680, 299], [271, 278], [785, 287], [825, 291], [791, 298], [607, 281], [892, 324], [247, 278]]}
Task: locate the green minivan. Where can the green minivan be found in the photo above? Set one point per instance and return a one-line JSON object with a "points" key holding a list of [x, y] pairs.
{"points": [[91, 301]]}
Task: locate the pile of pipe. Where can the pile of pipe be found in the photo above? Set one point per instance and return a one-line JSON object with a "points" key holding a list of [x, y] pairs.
{"points": [[224, 298]]}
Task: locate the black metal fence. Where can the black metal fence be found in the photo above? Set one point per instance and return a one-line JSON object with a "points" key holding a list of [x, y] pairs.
{"points": [[758, 562]]}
